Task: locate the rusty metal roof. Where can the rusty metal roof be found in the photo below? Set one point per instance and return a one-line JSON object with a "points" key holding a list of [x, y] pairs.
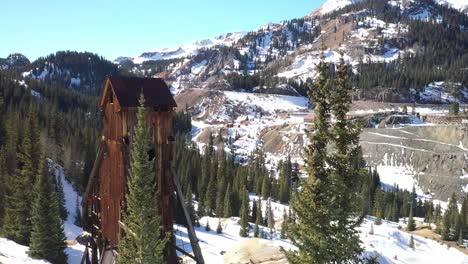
{"points": [[128, 89]]}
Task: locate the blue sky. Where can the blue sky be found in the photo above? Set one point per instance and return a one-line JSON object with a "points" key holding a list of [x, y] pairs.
{"points": [[128, 28]]}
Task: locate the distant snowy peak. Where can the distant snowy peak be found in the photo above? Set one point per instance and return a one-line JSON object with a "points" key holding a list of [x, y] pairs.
{"points": [[186, 50], [461, 5], [14, 60], [333, 5]]}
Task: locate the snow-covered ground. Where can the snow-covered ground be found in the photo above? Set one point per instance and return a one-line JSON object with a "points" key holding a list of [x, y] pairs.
{"points": [[269, 102], [74, 252], [12, 253], [391, 245], [423, 110], [439, 92], [389, 242]]}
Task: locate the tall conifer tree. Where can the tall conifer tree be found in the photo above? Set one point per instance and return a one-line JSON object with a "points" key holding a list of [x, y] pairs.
{"points": [[17, 222], [411, 226], [348, 170], [312, 232], [3, 185], [142, 242], [326, 210], [227, 210], [47, 235], [244, 215]]}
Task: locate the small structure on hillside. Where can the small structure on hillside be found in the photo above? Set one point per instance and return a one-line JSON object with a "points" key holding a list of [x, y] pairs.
{"points": [[309, 118], [104, 199]]}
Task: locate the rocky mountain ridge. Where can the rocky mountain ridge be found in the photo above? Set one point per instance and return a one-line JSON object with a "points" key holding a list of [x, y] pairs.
{"points": [[372, 32]]}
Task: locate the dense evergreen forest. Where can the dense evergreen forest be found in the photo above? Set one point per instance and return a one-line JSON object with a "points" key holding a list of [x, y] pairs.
{"points": [[81, 71], [218, 181], [68, 123], [50, 122], [391, 203]]}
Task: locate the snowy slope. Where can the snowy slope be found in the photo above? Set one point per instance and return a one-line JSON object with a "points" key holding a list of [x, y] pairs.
{"points": [[71, 230], [269, 102], [74, 252], [442, 92], [12, 253], [388, 242], [391, 245]]}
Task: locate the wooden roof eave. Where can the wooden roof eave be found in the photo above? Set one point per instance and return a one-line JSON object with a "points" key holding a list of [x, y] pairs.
{"points": [[102, 101], [108, 88]]}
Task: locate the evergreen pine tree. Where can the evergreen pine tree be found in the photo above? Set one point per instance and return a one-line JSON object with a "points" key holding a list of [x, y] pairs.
{"points": [[221, 188], [464, 216], [61, 198], [227, 202], [258, 218], [207, 227], [284, 184], [438, 218], [47, 235], [460, 237], [411, 225], [210, 195], [269, 216], [219, 229], [266, 186], [312, 232], [254, 211], [347, 170], [411, 243], [3, 184], [451, 221], [256, 230], [378, 207], [395, 209], [244, 214], [325, 210], [371, 231], [17, 221], [284, 225], [189, 203], [201, 207], [142, 243]]}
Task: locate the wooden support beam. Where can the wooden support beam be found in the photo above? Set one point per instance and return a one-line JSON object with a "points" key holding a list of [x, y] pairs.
{"points": [[191, 231], [184, 252]]}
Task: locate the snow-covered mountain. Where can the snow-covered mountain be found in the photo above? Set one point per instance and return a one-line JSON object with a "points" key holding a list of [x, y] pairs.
{"points": [[186, 50], [280, 57], [461, 5], [333, 5]]}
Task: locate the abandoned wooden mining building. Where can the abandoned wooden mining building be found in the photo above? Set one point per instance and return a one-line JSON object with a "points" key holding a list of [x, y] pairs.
{"points": [[104, 198]]}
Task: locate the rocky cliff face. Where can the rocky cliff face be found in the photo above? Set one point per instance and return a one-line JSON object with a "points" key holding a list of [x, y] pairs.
{"points": [[433, 158]]}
